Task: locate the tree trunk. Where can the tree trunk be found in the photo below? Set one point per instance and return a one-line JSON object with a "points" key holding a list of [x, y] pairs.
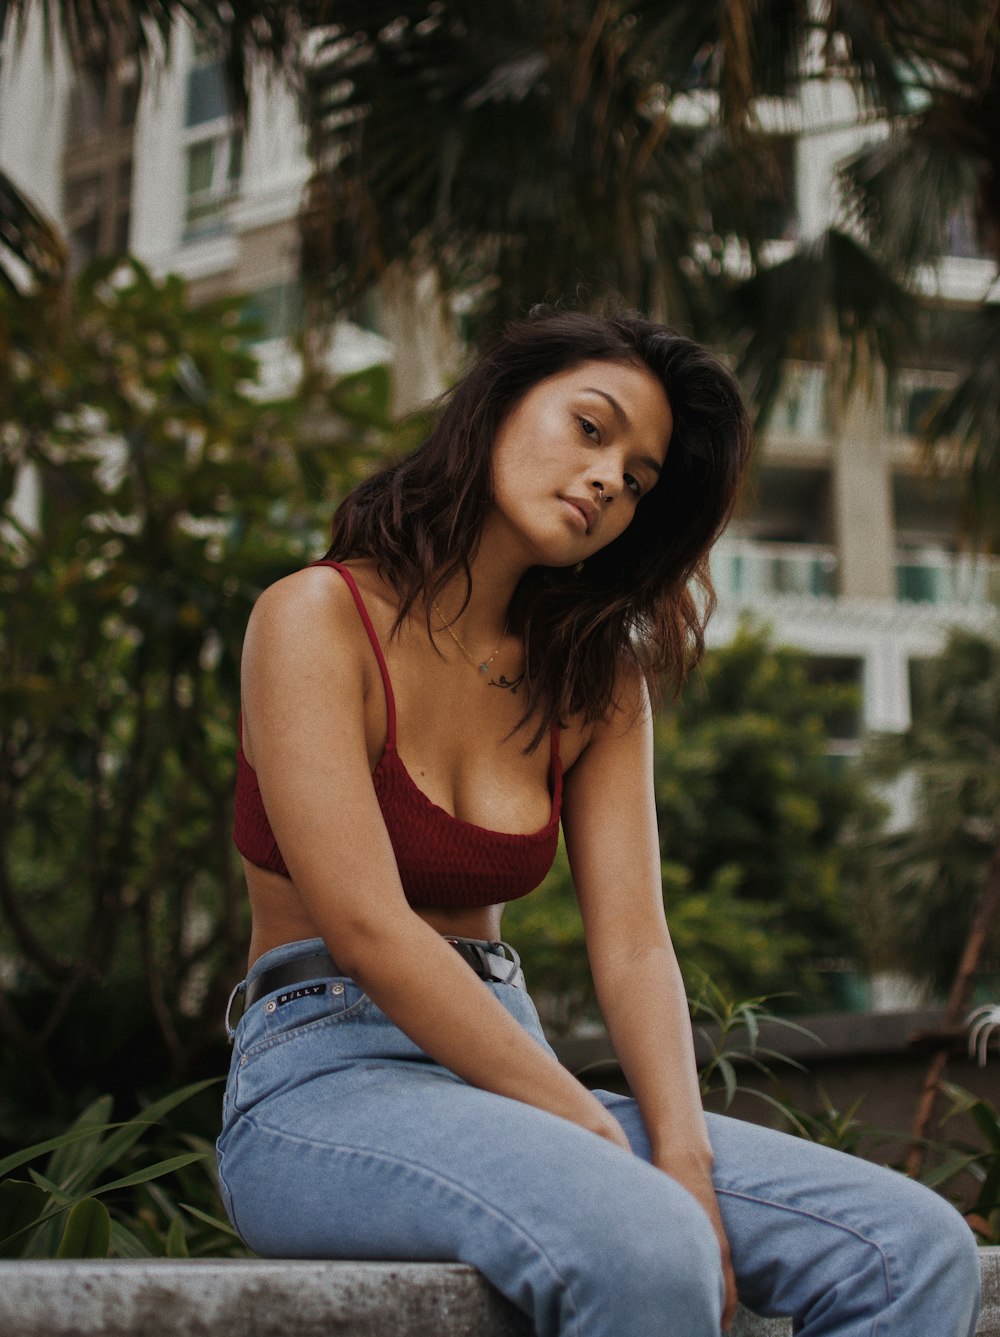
{"points": [[958, 1002]]}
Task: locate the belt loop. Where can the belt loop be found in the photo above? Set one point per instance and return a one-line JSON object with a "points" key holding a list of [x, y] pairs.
{"points": [[515, 966], [239, 989]]}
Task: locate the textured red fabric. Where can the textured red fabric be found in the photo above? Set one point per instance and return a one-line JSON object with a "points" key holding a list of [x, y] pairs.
{"points": [[442, 860]]}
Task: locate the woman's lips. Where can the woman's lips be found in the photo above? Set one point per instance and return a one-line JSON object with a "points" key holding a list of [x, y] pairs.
{"points": [[584, 510]]}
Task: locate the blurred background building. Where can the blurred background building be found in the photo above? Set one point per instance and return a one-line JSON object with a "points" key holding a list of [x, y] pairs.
{"points": [[846, 545]]}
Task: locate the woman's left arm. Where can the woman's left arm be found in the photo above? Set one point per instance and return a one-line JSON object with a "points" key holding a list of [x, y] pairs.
{"points": [[609, 819]]}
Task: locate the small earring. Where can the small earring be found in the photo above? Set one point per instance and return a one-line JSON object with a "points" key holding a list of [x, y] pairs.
{"points": [[578, 569]]}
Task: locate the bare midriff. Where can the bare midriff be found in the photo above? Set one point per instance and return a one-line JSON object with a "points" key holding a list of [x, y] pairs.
{"points": [[279, 915]]}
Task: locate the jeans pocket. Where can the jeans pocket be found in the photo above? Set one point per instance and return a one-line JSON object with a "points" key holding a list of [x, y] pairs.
{"points": [[302, 1006]]}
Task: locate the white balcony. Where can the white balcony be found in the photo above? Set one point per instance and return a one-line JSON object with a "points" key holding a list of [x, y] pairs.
{"points": [[931, 576], [745, 571], [748, 572]]}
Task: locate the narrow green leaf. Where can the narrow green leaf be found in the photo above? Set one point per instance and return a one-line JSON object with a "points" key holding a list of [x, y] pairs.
{"points": [[940, 1174], [72, 1157], [130, 1133], [87, 1233], [749, 1018], [781, 1107], [19, 1158], [176, 1240], [728, 1074], [47, 1186], [140, 1177], [126, 1244], [152, 1171], [209, 1220], [986, 1121]]}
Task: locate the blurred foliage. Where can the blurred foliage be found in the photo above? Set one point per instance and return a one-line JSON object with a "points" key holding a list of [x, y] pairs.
{"points": [[966, 1171], [918, 888], [170, 494], [754, 819], [107, 1190], [754, 815]]}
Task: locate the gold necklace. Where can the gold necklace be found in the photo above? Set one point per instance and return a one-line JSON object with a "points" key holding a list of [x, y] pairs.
{"points": [[483, 665]]}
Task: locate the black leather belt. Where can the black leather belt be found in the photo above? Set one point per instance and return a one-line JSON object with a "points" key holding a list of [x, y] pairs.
{"points": [[487, 959]]}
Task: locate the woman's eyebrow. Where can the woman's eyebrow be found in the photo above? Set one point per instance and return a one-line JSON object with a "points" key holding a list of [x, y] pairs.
{"points": [[622, 417]]}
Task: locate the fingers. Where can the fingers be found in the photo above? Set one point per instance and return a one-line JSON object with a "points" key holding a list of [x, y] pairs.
{"points": [[731, 1301]]}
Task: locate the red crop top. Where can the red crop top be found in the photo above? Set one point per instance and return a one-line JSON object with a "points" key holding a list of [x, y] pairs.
{"points": [[442, 860]]}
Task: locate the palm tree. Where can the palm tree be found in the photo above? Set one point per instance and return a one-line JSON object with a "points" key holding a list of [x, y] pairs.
{"points": [[525, 149], [584, 147]]}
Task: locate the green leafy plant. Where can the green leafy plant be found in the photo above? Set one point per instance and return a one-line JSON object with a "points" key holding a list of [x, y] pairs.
{"points": [[169, 494], [732, 1032], [830, 1126], [104, 1189], [967, 1170]]}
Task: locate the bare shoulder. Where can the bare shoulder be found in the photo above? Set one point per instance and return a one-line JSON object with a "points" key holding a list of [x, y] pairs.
{"points": [[631, 707], [626, 718], [312, 608], [305, 648]]}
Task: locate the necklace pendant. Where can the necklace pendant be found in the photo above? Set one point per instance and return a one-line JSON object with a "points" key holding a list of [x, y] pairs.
{"points": [[484, 667]]}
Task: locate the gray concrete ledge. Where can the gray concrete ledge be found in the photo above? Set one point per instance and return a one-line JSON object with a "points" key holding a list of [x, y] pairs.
{"points": [[268, 1298]]}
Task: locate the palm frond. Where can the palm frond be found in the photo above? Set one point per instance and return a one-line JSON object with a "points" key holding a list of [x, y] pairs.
{"points": [[30, 244], [967, 418], [831, 301], [905, 190]]}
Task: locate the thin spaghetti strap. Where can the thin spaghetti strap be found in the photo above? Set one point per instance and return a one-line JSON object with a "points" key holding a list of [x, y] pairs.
{"points": [[390, 700]]}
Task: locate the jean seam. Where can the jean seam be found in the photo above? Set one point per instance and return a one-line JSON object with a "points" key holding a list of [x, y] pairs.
{"points": [[394, 1158], [892, 1291]]}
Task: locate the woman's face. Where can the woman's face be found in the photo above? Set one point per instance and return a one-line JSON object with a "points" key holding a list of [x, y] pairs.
{"points": [[573, 458]]}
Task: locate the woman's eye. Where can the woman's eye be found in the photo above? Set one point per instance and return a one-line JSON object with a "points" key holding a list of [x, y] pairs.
{"points": [[591, 429], [633, 485]]}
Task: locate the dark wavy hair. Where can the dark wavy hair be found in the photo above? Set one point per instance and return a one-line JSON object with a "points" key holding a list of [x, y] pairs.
{"points": [[643, 599]]}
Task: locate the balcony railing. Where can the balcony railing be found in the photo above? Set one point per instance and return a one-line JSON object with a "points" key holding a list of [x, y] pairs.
{"points": [[946, 578], [745, 570]]}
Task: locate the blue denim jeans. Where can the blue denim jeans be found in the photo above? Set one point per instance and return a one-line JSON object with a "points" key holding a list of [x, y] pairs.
{"points": [[342, 1139]]}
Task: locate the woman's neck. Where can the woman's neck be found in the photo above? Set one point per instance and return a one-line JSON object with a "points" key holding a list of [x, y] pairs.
{"points": [[494, 578]]}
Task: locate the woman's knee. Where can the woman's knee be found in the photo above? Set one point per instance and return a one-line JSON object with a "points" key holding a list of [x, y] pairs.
{"points": [[647, 1260], [932, 1240]]}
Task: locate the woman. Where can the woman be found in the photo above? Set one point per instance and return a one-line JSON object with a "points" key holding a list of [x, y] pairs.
{"points": [[467, 667]]}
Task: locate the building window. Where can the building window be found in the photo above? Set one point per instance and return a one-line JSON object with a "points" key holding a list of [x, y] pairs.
{"points": [[97, 164], [917, 395], [213, 147]]}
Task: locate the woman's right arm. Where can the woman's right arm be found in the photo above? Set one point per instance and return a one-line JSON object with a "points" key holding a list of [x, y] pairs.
{"points": [[303, 699]]}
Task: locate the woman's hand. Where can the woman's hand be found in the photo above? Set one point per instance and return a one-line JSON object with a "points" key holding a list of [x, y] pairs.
{"points": [[611, 1130], [696, 1176]]}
